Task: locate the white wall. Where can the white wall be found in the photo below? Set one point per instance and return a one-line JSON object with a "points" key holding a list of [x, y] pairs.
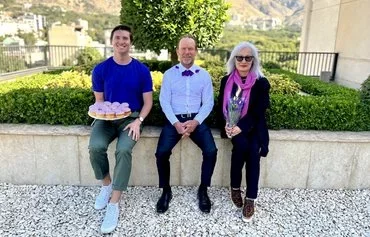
{"points": [[340, 26]]}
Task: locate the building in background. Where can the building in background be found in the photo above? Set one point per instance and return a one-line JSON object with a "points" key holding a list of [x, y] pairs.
{"points": [[66, 41], [27, 23], [340, 26]]}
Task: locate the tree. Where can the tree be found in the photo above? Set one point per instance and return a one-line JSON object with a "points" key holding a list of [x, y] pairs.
{"points": [[88, 55], [159, 24], [29, 38]]}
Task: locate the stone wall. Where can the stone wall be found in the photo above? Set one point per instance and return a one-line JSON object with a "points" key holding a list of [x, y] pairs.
{"points": [[42, 154]]}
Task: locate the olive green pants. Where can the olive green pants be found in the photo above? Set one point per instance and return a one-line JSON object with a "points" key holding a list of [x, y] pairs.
{"points": [[102, 134]]}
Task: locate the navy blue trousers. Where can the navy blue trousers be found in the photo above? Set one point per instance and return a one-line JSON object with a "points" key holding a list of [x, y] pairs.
{"points": [[169, 137], [245, 152]]}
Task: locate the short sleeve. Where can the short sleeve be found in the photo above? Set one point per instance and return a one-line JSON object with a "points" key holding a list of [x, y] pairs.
{"points": [[97, 79]]}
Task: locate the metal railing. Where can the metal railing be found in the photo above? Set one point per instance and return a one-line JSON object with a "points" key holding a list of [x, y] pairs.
{"points": [[16, 58], [305, 63]]}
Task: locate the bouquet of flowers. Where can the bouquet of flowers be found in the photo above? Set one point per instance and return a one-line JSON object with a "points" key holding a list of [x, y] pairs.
{"points": [[234, 110]]}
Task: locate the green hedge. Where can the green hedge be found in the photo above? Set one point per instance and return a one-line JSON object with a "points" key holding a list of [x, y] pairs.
{"points": [[155, 65], [328, 107]]}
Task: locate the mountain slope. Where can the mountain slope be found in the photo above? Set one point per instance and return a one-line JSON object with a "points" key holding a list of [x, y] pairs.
{"points": [[284, 10]]}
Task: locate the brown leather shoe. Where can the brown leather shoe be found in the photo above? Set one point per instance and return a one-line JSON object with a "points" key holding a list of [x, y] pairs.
{"points": [[248, 210], [236, 197]]}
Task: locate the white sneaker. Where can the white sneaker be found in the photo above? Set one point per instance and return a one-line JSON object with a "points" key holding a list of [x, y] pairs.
{"points": [[111, 218], [102, 199]]}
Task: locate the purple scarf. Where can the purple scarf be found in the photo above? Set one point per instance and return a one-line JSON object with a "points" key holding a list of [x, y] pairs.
{"points": [[246, 90]]}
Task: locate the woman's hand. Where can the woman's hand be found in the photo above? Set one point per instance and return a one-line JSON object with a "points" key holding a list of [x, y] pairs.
{"points": [[232, 131], [134, 131], [228, 130], [235, 131]]}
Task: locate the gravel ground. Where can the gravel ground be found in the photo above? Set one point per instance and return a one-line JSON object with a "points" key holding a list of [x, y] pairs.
{"points": [[32, 210]]}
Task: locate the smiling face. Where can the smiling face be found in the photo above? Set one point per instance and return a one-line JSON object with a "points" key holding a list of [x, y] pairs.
{"points": [[121, 42], [186, 51], [243, 67]]}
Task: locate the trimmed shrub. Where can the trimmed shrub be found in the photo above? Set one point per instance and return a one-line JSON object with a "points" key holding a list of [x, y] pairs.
{"points": [[317, 87], [87, 68], [88, 55], [365, 92], [67, 106], [65, 98], [271, 65], [157, 80], [155, 65], [71, 79], [281, 84]]}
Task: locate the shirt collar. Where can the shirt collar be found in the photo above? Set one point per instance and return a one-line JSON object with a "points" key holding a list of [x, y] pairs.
{"points": [[194, 68]]}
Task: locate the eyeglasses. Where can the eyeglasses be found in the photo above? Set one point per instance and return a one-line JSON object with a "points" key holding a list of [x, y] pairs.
{"points": [[247, 58]]}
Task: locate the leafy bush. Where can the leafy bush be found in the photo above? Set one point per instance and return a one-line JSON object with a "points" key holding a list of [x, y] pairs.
{"points": [[157, 80], [271, 65], [281, 84], [87, 55], [317, 87], [52, 99], [155, 65], [87, 68], [217, 70], [365, 92], [316, 113], [70, 79]]}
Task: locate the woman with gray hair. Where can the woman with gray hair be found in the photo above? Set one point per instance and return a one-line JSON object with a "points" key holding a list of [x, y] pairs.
{"points": [[242, 102]]}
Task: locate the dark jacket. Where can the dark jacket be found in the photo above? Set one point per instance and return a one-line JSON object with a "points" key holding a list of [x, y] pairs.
{"points": [[254, 123]]}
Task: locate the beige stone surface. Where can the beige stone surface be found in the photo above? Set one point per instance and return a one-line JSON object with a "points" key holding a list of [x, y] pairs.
{"points": [[360, 173], [86, 172], [346, 67], [330, 165], [324, 25], [222, 171], [56, 160], [288, 164], [17, 159], [219, 169], [191, 161], [297, 159], [144, 169], [353, 30], [323, 4]]}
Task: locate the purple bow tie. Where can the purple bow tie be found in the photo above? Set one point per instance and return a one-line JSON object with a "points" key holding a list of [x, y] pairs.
{"points": [[187, 73]]}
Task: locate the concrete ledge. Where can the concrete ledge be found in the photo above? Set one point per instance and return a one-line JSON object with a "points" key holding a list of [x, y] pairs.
{"points": [[43, 154]]}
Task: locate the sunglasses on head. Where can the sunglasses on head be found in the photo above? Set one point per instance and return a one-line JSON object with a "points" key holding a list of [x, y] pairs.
{"points": [[246, 58]]}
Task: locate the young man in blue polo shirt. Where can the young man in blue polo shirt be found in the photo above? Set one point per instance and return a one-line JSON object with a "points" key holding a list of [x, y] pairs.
{"points": [[119, 78]]}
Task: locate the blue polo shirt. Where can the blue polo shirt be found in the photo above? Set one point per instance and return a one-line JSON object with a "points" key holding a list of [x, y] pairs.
{"points": [[122, 83]]}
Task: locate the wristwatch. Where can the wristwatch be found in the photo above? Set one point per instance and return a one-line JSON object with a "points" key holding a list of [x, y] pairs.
{"points": [[141, 119]]}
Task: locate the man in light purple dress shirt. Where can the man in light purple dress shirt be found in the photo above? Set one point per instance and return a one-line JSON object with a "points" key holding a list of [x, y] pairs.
{"points": [[186, 98]]}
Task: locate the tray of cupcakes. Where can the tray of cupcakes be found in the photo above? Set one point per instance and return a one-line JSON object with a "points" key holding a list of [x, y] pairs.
{"points": [[109, 111]]}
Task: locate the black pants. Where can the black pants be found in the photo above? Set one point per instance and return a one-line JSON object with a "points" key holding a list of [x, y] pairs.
{"points": [[169, 137], [245, 151]]}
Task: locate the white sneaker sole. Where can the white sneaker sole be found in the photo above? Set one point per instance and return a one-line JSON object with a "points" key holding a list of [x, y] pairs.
{"points": [[247, 220], [100, 208], [108, 230]]}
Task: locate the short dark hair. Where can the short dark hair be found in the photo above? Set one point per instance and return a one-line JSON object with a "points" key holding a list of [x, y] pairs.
{"points": [[190, 37], [121, 27]]}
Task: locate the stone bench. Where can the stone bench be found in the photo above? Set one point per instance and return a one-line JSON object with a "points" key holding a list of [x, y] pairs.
{"points": [[44, 154]]}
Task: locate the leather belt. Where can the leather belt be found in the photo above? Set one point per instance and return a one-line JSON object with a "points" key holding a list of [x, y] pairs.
{"points": [[188, 115]]}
